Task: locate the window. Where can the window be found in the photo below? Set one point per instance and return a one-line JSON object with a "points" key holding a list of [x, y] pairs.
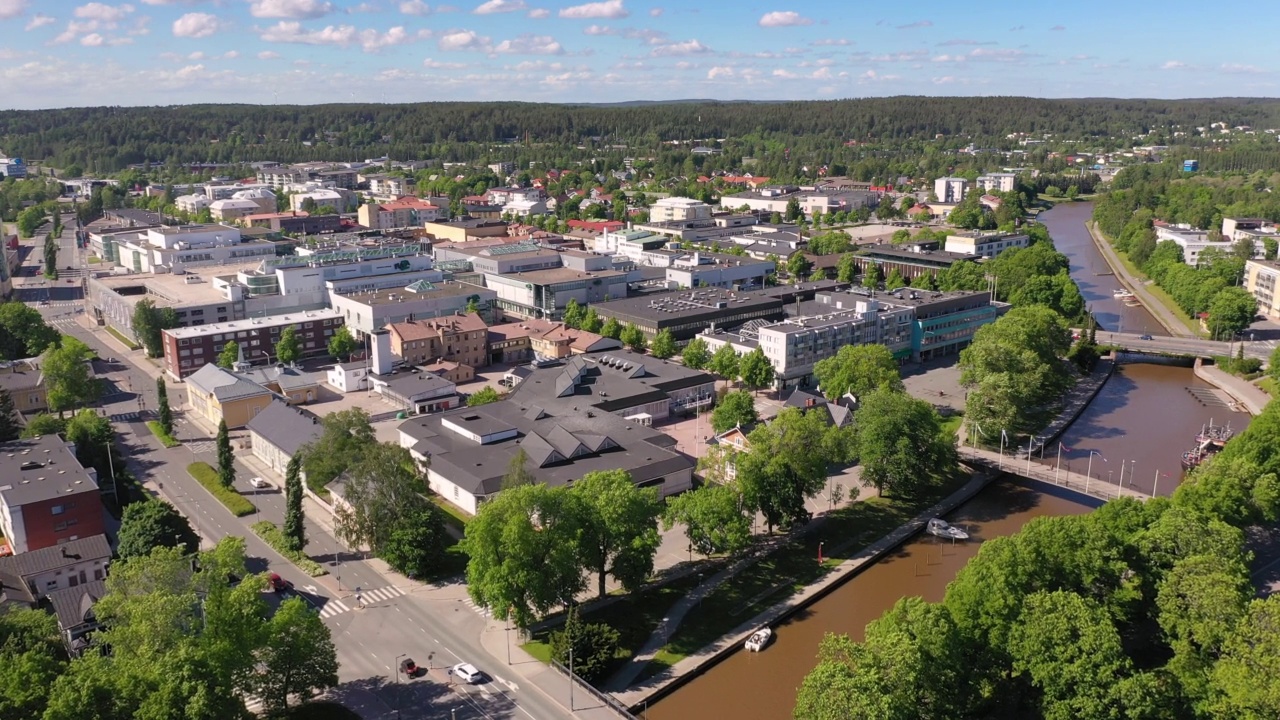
{"points": [[184, 342], [56, 509]]}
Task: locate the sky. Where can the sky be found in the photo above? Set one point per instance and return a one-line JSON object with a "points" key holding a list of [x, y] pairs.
{"points": [[61, 53]]}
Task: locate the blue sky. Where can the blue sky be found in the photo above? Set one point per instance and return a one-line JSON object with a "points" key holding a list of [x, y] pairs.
{"points": [[61, 53]]}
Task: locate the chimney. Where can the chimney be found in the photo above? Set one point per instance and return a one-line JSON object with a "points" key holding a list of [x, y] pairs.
{"points": [[808, 402], [381, 352]]}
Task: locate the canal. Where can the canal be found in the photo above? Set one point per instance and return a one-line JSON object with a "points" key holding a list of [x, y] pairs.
{"points": [[1139, 425]]}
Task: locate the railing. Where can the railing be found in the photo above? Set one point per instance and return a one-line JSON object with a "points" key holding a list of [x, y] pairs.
{"points": [[1074, 481], [608, 700]]}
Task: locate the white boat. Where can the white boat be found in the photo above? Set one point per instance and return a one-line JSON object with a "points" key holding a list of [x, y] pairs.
{"points": [[1122, 293], [759, 639], [942, 529]]}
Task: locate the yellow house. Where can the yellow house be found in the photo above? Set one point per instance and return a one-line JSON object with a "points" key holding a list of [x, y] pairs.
{"points": [[217, 394], [24, 382]]}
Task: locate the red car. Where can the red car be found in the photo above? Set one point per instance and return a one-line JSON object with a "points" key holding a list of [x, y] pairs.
{"points": [[279, 584], [409, 667]]}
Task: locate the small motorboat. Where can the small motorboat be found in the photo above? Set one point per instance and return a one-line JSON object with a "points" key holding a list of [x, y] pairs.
{"points": [[941, 528], [1122, 293], [759, 639]]}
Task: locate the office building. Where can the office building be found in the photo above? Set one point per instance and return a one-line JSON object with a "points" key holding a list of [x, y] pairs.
{"points": [[188, 349], [46, 497]]}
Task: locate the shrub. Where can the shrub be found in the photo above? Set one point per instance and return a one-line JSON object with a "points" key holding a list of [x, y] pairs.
{"points": [[208, 477]]}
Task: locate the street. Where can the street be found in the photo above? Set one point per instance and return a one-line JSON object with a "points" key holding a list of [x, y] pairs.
{"points": [[368, 639]]}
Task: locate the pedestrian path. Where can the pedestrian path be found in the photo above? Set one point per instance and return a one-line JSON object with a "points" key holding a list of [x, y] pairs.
{"points": [[366, 597]]}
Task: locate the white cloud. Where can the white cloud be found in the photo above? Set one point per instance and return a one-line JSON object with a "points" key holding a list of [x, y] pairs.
{"points": [[917, 24], [464, 40], [290, 9], [39, 20], [268, 55], [10, 9], [655, 12], [610, 9], [197, 55], [1174, 65], [688, 47], [341, 36], [1239, 69], [196, 25], [230, 55], [106, 14], [997, 54], [415, 7], [787, 18], [92, 40], [529, 44], [784, 74], [826, 42], [539, 13], [720, 71], [437, 65], [500, 6]]}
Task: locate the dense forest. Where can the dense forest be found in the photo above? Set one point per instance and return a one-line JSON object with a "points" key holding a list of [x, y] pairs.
{"points": [[109, 138]]}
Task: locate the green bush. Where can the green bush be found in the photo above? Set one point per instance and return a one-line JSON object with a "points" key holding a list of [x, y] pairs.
{"points": [[121, 337], [208, 477], [272, 536], [165, 438]]}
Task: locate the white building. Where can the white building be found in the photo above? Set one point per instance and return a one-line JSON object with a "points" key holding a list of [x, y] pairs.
{"points": [[1001, 182], [523, 207], [1194, 242], [232, 209], [986, 244], [191, 203], [715, 270], [348, 377], [321, 196], [679, 208], [949, 189]]}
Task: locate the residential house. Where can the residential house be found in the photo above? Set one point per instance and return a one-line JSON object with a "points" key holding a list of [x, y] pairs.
{"points": [[287, 381], [56, 567], [217, 394], [416, 392], [24, 382], [984, 244], [531, 339], [75, 609], [279, 431], [348, 377]]}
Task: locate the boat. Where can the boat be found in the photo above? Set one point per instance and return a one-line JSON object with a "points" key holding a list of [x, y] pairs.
{"points": [[1122, 293], [942, 529], [759, 639]]}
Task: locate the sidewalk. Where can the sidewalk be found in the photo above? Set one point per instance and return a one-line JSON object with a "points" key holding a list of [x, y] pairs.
{"points": [[1245, 392], [1153, 305]]}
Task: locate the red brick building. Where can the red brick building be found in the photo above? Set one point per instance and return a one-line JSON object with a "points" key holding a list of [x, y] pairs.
{"points": [[46, 497], [188, 349]]}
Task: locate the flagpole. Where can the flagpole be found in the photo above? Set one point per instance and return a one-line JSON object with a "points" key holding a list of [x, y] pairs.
{"points": [[1030, 442], [1057, 465], [1155, 484], [1002, 435]]}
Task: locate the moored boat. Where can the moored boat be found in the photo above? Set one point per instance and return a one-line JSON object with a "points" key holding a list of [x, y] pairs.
{"points": [[759, 639], [941, 528]]}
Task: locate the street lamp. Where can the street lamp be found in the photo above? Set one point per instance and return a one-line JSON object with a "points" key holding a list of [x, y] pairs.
{"points": [[396, 670], [1089, 472]]}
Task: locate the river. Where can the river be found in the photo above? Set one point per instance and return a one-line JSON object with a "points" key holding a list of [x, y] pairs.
{"points": [[1139, 425]]}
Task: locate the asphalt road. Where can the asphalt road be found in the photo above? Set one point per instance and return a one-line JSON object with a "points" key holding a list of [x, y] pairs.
{"points": [[1189, 346], [368, 639]]}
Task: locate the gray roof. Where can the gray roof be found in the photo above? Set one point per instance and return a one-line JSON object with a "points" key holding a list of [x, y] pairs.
{"points": [[288, 378], [411, 385], [74, 606], [14, 590], [20, 375], [27, 564], [39, 469], [612, 381], [224, 384], [287, 428]]}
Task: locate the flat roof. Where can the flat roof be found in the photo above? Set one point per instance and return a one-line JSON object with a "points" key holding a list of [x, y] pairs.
{"points": [[551, 276], [395, 295], [255, 323], [893, 251], [686, 303], [188, 229], [39, 469]]}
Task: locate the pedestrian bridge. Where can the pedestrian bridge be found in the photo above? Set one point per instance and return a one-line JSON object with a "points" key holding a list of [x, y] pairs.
{"points": [[1020, 466]]}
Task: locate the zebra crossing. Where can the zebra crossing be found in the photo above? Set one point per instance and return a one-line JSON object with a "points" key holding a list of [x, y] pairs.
{"points": [[481, 611], [126, 417], [336, 607], [200, 447], [62, 322]]}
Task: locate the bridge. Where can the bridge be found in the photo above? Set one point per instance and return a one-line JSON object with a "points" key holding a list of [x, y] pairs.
{"points": [[1074, 481], [1193, 347]]}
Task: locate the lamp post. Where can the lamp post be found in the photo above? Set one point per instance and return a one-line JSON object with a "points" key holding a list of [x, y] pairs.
{"points": [[1089, 472], [396, 670]]}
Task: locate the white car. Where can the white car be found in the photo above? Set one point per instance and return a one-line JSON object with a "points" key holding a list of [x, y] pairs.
{"points": [[259, 482], [467, 673]]}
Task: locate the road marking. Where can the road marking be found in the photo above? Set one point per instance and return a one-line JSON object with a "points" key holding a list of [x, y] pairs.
{"points": [[508, 683]]}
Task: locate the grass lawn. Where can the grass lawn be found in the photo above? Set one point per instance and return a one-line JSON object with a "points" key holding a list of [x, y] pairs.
{"points": [[207, 476], [791, 568], [94, 260], [272, 536], [453, 515], [1268, 386], [635, 617], [165, 438], [951, 426], [120, 336]]}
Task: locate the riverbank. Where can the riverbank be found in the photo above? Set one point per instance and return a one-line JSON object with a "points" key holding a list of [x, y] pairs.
{"points": [[1250, 396], [1161, 307], [686, 669]]}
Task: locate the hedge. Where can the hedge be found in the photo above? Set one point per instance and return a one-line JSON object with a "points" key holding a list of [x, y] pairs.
{"points": [[208, 477]]}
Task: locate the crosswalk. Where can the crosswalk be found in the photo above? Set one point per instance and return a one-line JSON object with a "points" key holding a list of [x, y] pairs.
{"points": [[126, 417], [336, 607], [62, 322], [481, 611], [200, 447]]}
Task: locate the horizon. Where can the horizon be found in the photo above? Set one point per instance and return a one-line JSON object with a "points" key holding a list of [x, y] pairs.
{"points": [[158, 53]]}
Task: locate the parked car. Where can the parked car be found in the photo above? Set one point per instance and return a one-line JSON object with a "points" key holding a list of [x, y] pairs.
{"points": [[409, 667], [467, 673], [259, 482]]}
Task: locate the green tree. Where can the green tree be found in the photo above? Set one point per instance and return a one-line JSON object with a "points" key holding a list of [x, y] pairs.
{"points": [[612, 329], [737, 409], [44, 424], [785, 463], [151, 524], [793, 210], [162, 405], [416, 545], [289, 346], [899, 442], [29, 220], [756, 370], [664, 345], [633, 337], [68, 378], [1247, 677], [846, 268], [522, 552], [894, 280], [594, 646], [23, 332], [872, 275], [714, 519], [294, 528], [149, 324], [226, 460], [619, 527], [724, 362], [344, 437], [1231, 311], [1201, 600], [9, 428], [1273, 365], [574, 313], [857, 370], [696, 355], [518, 472], [1013, 367], [591, 322], [798, 266], [229, 356], [297, 656], [483, 396], [342, 344], [380, 492]]}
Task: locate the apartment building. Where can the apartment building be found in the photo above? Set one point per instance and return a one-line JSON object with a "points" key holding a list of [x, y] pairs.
{"points": [[950, 189], [188, 349], [46, 497], [984, 244], [1260, 279], [455, 338], [673, 209], [997, 182]]}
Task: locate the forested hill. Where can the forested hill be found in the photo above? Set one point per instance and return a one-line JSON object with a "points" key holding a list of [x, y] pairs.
{"points": [[111, 137]]}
